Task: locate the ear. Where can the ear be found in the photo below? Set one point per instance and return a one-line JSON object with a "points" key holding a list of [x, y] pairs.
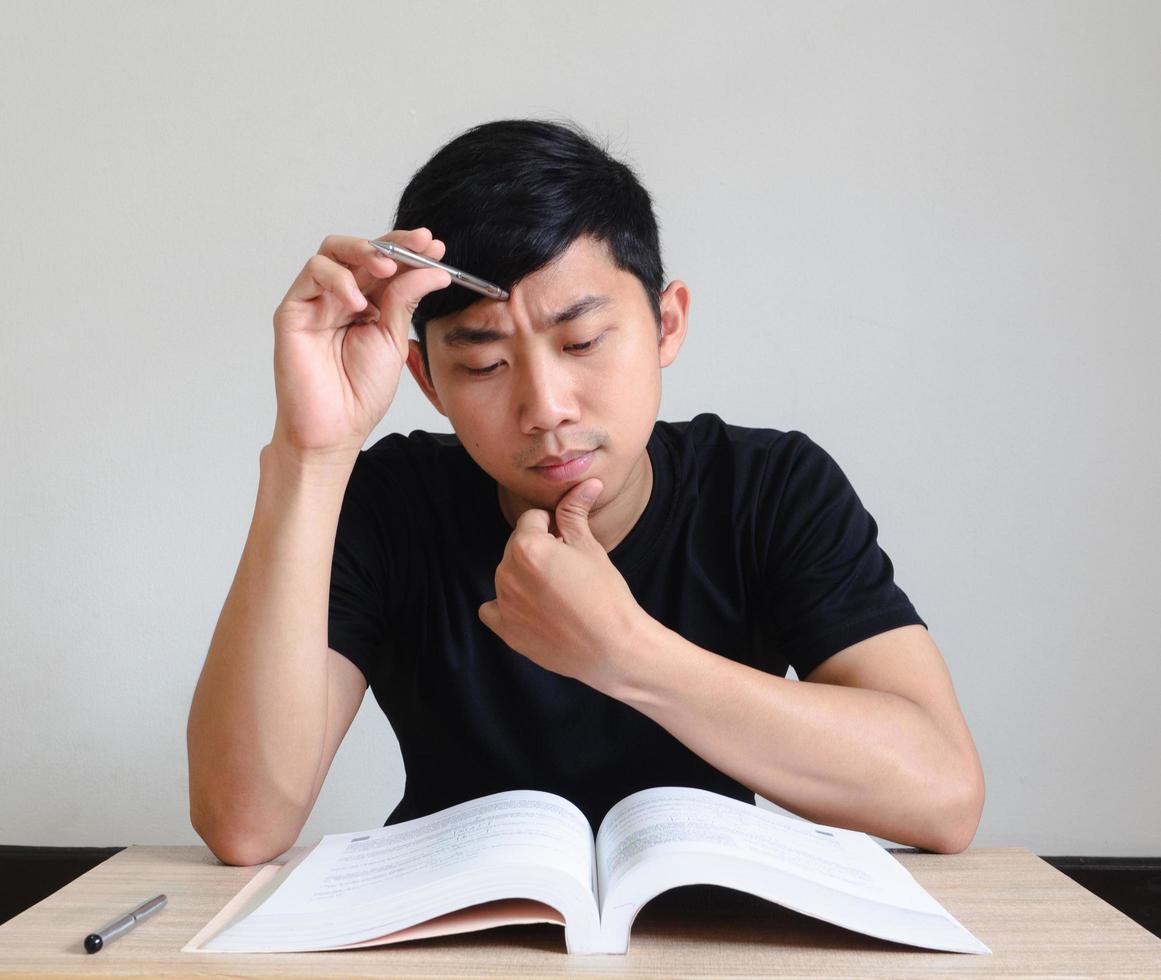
{"points": [[415, 366], [674, 321]]}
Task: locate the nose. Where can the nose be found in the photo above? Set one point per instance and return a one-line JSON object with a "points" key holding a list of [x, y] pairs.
{"points": [[545, 396]]}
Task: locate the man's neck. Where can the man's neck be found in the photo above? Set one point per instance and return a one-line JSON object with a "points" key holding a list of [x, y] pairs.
{"points": [[614, 520]]}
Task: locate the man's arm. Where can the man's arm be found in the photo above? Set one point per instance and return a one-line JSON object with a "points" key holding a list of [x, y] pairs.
{"points": [[873, 740], [272, 703]]}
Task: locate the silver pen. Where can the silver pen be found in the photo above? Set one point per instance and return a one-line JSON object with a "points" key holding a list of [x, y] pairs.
{"points": [[415, 260], [122, 924]]}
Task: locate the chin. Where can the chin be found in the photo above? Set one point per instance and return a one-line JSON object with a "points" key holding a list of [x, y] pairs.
{"points": [[547, 498]]}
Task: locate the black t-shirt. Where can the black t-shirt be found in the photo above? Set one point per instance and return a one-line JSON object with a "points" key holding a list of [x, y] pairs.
{"points": [[753, 545]]}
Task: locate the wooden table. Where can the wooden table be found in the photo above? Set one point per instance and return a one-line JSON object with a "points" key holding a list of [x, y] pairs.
{"points": [[1037, 921]]}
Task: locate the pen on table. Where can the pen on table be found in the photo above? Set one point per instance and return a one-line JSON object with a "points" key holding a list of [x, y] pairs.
{"points": [[415, 260], [122, 924]]}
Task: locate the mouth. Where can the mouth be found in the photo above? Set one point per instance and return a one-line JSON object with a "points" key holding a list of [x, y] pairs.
{"points": [[566, 467], [558, 460]]}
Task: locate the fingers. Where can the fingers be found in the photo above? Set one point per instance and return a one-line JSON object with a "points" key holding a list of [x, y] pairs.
{"points": [[377, 266], [322, 276], [350, 267], [375, 289], [532, 520], [530, 525]]}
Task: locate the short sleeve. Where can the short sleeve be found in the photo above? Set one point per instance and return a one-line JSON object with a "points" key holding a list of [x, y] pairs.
{"points": [[362, 567], [827, 583]]}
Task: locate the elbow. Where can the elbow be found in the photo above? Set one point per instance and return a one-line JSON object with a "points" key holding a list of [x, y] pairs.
{"points": [[239, 850], [238, 829], [235, 853], [960, 817], [952, 841], [233, 844]]}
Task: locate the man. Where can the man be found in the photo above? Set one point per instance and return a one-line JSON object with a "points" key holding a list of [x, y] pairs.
{"points": [[568, 594]]}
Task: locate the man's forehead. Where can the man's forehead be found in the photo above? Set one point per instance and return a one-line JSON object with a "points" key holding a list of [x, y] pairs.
{"points": [[586, 266], [581, 280]]}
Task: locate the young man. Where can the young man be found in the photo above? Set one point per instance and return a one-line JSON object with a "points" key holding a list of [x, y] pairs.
{"points": [[567, 594]]}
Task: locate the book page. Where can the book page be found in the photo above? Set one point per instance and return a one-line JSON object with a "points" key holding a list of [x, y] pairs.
{"points": [[677, 819], [354, 887], [659, 839], [518, 827]]}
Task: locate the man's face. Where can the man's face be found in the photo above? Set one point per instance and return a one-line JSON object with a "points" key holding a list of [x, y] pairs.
{"points": [[561, 382]]}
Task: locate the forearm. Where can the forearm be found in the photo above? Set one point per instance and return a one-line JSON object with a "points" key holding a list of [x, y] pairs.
{"points": [[861, 759], [258, 718]]}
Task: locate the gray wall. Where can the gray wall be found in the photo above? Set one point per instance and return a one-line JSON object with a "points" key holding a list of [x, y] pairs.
{"points": [[926, 234]]}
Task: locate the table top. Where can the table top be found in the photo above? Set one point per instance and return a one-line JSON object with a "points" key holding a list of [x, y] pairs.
{"points": [[1036, 920]]}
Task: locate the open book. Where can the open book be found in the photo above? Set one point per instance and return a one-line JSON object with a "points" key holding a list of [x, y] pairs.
{"points": [[527, 856]]}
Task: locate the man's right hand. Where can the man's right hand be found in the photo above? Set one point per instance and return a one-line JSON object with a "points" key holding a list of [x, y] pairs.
{"points": [[340, 342]]}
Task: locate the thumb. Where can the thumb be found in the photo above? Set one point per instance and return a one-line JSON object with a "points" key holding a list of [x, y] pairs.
{"points": [[572, 513], [489, 614], [409, 286]]}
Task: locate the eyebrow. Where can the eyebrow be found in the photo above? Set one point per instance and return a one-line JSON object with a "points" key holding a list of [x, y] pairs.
{"points": [[464, 336]]}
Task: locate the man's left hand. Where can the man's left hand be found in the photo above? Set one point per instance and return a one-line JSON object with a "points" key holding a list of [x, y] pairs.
{"points": [[559, 600]]}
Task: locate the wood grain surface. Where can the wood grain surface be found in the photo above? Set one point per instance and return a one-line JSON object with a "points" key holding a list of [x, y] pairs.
{"points": [[1037, 921]]}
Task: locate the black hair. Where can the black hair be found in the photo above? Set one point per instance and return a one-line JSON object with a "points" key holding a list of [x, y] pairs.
{"points": [[508, 197]]}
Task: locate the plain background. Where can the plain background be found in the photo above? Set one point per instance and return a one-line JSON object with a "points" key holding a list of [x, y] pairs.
{"points": [[925, 234]]}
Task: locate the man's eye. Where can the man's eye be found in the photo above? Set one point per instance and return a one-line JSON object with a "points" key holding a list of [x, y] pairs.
{"points": [[482, 371], [587, 345]]}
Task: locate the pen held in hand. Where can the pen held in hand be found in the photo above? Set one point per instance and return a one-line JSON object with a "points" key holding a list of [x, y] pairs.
{"points": [[417, 261], [122, 924]]}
